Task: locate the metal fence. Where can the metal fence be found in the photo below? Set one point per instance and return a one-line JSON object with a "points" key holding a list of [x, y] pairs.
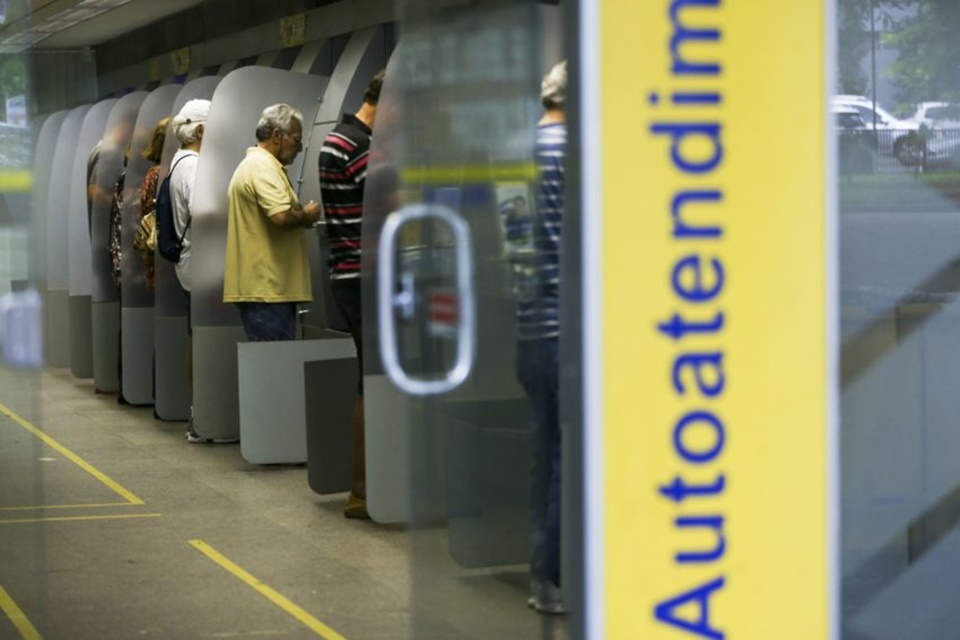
{"points": [[890, 151]]}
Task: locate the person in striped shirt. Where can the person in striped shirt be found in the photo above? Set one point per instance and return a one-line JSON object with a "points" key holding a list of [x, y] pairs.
{"points": [[538, 332], [343, 173]]}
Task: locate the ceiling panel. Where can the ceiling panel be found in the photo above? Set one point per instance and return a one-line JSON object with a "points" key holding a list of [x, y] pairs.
{"points": [[46, 14]]}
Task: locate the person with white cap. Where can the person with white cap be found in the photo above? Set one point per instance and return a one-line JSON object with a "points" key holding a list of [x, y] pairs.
{"points": [[188, 125], [538, 336]]}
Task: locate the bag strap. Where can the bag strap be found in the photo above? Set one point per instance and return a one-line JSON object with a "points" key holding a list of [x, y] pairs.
{"points": [[170, 178]]}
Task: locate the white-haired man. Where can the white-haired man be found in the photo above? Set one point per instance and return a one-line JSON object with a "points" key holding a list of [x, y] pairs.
{"points": [[267, 270]]}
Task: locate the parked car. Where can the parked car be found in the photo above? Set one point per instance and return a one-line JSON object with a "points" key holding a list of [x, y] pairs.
{"points": [[856, 143], [937, 115], [899, 138]]}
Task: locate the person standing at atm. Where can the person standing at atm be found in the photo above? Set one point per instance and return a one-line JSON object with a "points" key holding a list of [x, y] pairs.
{"points": [[189, 126], [343, 175], [267, 269]]}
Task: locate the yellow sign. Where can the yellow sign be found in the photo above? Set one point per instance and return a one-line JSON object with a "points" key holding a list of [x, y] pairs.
{"points": [[293, 30], [715, 384], [15, 180], [181, 60]]}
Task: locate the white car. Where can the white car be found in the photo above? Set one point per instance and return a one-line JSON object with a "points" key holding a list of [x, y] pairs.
{"points": [[900, 138], [938, 115], [855, 141]]}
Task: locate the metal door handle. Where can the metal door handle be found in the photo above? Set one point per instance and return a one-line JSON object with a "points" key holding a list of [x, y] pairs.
{"points": [[388, 301]]}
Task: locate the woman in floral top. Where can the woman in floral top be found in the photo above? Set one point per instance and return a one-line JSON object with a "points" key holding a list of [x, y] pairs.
{"points": [[116, 209], [148, 190]]}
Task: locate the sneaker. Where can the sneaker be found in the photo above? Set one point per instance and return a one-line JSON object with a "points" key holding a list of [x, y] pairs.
{"points": [[546, 598], [191, 435], [194, 438]]}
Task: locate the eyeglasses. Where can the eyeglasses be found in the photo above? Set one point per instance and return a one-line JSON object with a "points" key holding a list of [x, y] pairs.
{"points": [[298, 139]]}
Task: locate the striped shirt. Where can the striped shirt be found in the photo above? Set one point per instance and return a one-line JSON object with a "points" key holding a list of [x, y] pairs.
{"points": [[343, 171], [538, 317]]}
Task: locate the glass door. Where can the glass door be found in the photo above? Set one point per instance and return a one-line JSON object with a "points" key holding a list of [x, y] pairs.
{"points": [[895, 117], [449, 263]]}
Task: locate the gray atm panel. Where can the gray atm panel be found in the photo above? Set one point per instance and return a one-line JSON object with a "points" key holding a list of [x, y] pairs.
{"points": [[105, 293], [57, 311], [43, 172], [137, 299], [81, 280], [46, 147], [173, 392]]}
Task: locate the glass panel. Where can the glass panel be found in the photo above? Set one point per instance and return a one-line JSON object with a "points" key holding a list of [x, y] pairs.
{"points": [[900, 218], [456, 131], [34, 275]]}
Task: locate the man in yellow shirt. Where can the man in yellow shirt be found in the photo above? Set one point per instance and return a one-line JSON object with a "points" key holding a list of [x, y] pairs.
{"points": [[267, 270]]}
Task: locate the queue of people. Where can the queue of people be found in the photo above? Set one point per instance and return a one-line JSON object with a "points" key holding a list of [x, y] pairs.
{"points": [[267, 271]]}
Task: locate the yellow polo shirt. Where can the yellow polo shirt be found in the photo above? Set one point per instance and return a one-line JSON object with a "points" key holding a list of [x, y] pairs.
{"points": [[264, 262]]}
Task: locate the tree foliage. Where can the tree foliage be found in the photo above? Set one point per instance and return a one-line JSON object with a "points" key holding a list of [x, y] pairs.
{"points": [[854, 19], [928, 42], [853, 45], [13, 76]]}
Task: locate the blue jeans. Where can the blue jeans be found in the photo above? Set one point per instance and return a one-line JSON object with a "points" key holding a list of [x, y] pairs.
{"points": [[266, 321], [538, 372]]}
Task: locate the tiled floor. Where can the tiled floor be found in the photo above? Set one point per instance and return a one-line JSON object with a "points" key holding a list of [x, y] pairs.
{"points": [[112, 526]]}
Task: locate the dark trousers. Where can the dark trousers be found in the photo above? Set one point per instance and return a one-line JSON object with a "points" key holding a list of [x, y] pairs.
{"points": [[350, 303], [538, 373], [266, 321]]}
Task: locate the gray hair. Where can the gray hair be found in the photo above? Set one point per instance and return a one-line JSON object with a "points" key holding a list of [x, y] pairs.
{"points": [[277, 116], [187, 132], [553, 89]]}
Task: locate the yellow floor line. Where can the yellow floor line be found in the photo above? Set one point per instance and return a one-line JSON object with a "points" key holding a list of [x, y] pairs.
{"points": [[17, 617], [74, 458], [45, 507], [305, 618], [76, 518]]}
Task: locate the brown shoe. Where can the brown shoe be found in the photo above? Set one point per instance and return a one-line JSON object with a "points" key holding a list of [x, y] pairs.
{"points": [[356, 508]]}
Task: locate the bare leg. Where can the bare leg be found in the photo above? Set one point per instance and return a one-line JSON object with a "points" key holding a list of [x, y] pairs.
{"points": [[357, 501]]}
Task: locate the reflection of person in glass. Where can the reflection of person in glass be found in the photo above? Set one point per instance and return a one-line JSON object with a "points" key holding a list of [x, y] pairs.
{"points": [[516, 221], [343, 173], [267, 270], [538, 333]]}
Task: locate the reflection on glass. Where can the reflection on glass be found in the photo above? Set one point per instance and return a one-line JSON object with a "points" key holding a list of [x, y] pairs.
{"points": [[900, 220], [457, 126]]}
